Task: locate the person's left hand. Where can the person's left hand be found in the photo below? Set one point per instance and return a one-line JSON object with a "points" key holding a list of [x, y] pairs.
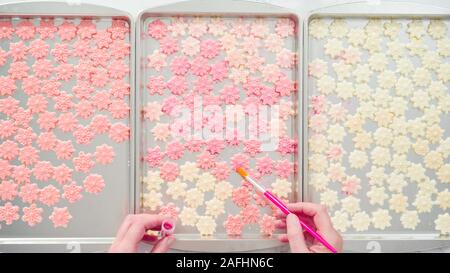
{"points": [[133, 231]]}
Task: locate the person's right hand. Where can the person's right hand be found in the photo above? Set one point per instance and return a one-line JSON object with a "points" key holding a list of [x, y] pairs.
{"points": [[315, 216]]}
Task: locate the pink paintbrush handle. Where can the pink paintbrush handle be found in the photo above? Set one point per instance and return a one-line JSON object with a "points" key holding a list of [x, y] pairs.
{"points": [[277, 202]]}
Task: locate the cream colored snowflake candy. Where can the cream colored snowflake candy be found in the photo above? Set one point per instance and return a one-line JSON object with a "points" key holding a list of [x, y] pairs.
{"points": [[376, 176], [376, 195], [374, 27], [434, 133], [398, 202], [194, 198], [423, 202], [338, 28], [444, 173], [318, 28], [329, 198], [318, 143], [189, 171], [319, 181], [399, 127], [378, 61], [336, 133], [358, 159], [443, 73], [444, 147], [340, 220], [403, 86], [387, 79], [326, 85], [396, 182], [437, 89], [437, 29], [317, 68], [223, 190], [398, 106], [433, 160], [176, 189], [410, 219], [206, 182], [380, 156], [206, 225], [392, 29], [421, 147], [362, 73], [421, 77], [416, 172], [432, 116], [381, 219], [399, 163], [443, 199], [383, 136], [281, 187], [351, 204], [214, 207], [427, 186], [188, 216], [152, 181], [431, 60], [342, 70], [416, 29], [404, 66], [417, 47], [362, 140], [414, 126], [361, 221], [372, 43], [318, 162], [442, 223], [333, 47], [152, 200], [443, 47], [345, 90], [356, 36], [354, 123]]}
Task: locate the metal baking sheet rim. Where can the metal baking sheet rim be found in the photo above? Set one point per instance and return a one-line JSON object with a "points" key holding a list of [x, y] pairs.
{"points": [[58, 9], [220, 243], [365, 9]]}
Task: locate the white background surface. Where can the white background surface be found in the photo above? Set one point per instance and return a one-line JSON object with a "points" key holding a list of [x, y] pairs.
{"points": [[134, 7]]}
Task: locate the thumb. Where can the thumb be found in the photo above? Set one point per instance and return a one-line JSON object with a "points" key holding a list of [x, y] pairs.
{"points": [[163, 245], [295, 234]]}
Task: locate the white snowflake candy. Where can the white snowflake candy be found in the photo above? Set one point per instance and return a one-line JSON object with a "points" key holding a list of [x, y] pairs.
{"points": [[423, 203], [433, 160], [214, 207], [338, 28], [443, 199], [396, 182], [189, 171], [358, 159], [152, 181], [398, 202], [443, 47], [416, 29], [206, 182], [442, 223], [377, 195], [318, 162], [381, 219], [318, 29], [194, 198], [319, 181], [223, 190], [329, 198], [361, 221], [152, 200], [206, 225], [444, 173], [351, 204], [362, 73], [437, 29], [356, 36], [176, 189], [410, 219], [326, 84], [281, 187], [340, 220], [188, 216], [392, 29], [333, 47]]}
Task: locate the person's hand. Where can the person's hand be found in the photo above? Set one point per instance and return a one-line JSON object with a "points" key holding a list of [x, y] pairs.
{"points": [[315, 216], [133, 231]]}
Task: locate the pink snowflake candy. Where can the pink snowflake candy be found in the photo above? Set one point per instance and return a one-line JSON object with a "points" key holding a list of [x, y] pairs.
{"points": [[29, 193], [206, 161], [241, 196], [177, 85], [219, 71], [169, 104], [168, 45], [253, 86], [268, 95], [81, 48], [284, 86], [194, 145], [104, 154], [180, 65], [3, 57], [200, 66], [37, 103], [157, 29], [99, 58], [72, 192], [8, 190], [67, 31], [47, 29], [25, 30], [233, 225], [118, 70], [86, 29], [6, 29], [93, 183], [46, 141], [351, 185], [118, 29], [64, 72], [83, 134], [9, 213], [169, 171], [209, 48], [252, 147], [267, 225], [265, 165], [7, 128], [5, 169], [28, 155], [43, 68], [230, 95], [119, 109], [18, 51], [240, 160], [60, 217], [335, 152], [284, 168], [103, 39], [67, 122], [22, 117], [101, 100], [63, 102], [49, 195], [221, 171], [286, 58], [250, 214], [285, 27], [38, 49], [100, 124], [51, 87], [156, 85], [18, 70], [43, 170], [169, 210], [61, 52], [287, 145], [99, 77], [47, 121], [119, 132], [120, 49], [9, 150], [7, 86], [62, 174], [83, 162], [154, 157], [32, 215], [174, 150], [215, 146], [64, 150], [21, 174]]}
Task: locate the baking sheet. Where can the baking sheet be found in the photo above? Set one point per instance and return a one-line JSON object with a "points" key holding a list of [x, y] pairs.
{"points": [[251, 237], [315, 50], [102, 213]]}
